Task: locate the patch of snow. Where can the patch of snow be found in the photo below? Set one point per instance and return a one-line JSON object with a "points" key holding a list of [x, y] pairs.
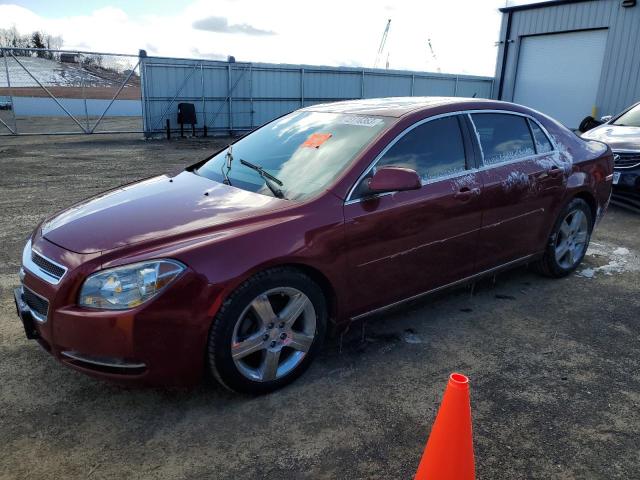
{"points": [[445, 172], [561, 158], [508, 156], [50, 73], [409, 337], [518, 181], [620, 260], [586, 273], [464, 181]]}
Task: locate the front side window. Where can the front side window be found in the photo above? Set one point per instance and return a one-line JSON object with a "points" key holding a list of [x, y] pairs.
{"points": [[305, 151], [503, 137], [434, 149]]}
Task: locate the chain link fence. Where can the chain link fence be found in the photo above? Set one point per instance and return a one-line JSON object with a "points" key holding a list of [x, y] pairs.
{"points": [[59, 92]]}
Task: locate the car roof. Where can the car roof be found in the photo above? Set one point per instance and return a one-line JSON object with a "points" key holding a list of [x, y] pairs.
{"points": [[390, 106]]}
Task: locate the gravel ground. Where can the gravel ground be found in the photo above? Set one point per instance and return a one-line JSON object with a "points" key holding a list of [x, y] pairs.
{"points": [[554, 365]]}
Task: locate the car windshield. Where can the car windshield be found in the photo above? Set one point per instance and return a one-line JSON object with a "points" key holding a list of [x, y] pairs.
{"points": [[630, 118], [304, 151]]}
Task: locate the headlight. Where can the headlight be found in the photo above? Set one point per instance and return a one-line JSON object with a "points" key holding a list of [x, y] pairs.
{"points": [[128, 286]]}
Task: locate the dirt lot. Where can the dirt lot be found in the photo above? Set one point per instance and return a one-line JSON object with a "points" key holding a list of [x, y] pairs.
{"points": [[554, 365], [64, 124], [130, 92]]}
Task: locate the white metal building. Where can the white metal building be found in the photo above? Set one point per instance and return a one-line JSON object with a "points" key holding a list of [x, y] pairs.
{"points": [[570, 58]]}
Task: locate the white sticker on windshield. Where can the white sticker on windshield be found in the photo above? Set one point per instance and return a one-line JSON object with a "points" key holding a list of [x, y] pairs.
{"points": [[360, 120]]}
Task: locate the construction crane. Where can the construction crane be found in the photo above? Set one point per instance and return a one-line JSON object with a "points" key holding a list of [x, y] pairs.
{"points": [[433, 55], [382, 43]]}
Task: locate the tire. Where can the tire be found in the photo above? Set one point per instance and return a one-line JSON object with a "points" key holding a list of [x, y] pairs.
{"points": [[554, 263], [277, 317]]}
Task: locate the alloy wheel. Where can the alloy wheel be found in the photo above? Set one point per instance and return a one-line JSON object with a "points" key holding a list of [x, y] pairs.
{"points": [[273, 334], [571, 240]]}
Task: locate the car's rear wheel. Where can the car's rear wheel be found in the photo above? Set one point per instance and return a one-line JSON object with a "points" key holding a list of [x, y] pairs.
{"points": [[569, 240], [267, 332]]}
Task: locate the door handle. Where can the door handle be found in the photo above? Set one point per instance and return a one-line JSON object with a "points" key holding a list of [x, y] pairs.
{"points": [[466, 193], [554, 172]]}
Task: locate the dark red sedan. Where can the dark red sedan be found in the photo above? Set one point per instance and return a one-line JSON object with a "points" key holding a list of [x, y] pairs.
{"points": [[239, 264]]}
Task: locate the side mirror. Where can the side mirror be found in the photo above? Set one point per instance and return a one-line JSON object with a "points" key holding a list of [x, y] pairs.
{"points": [[394, 179], [606, 118]]}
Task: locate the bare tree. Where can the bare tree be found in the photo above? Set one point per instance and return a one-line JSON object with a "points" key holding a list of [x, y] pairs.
{"points": [[12, 38], [53, 42]]}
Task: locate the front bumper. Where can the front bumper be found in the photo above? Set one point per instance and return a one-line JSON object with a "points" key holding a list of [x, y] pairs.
{"points": [[31, 319], [161, 342], [25, 314], [626, 192]]}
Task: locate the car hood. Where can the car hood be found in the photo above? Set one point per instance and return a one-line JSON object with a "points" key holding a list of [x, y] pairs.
{"points": [[616, 136], [151, 209]]}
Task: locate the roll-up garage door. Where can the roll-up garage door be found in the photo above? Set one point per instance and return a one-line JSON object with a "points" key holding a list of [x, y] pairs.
{"points": [[559, 73]]}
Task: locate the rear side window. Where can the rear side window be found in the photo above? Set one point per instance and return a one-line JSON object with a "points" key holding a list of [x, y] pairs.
{"points": [[433, 149], [503, 137], [543, 145]]}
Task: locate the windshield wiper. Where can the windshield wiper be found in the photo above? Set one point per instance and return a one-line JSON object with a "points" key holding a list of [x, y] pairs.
{"points": [[229, 159], [268, 178]]}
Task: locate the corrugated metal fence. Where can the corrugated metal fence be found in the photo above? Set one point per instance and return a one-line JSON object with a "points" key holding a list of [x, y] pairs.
{"points": [[233, 97]]}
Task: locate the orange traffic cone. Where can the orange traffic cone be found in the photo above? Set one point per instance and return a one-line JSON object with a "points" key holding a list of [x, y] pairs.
{"points": [[449, 451]]}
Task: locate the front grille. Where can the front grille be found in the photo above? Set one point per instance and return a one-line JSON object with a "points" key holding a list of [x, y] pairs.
{"points": [[47, 265], [35, 302], [626, 160]]}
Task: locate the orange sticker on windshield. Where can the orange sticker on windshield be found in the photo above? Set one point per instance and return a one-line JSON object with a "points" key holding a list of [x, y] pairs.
{"points": [[316, 139]]}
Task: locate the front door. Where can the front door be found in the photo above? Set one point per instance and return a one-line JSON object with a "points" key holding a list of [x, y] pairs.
{"points": [[405, 243]]}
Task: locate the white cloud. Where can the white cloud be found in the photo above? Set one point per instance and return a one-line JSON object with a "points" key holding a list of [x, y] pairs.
{"points": [[333, 32], [222, 25]]}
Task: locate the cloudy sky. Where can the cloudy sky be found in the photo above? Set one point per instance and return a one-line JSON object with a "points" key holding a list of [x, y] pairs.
{"points": [[332, 32]]}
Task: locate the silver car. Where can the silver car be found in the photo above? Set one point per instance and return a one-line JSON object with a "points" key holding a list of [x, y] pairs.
{"points": [[622, 134]]}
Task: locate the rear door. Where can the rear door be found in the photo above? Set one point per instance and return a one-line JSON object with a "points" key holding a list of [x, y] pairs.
{"points": [[520, 183], [406, 243]]}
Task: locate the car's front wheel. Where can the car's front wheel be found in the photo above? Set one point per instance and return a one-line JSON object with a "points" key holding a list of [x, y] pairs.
{"points": [[267, 332], [569, 240]]}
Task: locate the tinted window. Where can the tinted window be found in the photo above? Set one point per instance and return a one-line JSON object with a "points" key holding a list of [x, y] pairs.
{"points": [[503, 137], [543, 145], [433, 149]]}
